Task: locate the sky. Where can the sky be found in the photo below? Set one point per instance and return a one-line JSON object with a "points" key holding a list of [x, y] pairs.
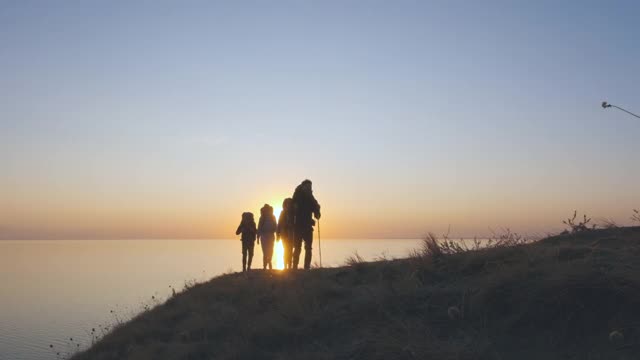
{"points": [[168, 119]]}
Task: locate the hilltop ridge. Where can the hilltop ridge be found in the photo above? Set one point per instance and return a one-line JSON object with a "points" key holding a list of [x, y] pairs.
{"points": [[572, 296]]}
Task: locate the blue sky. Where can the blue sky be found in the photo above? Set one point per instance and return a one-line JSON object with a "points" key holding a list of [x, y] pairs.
{"points": [[168, 119]]}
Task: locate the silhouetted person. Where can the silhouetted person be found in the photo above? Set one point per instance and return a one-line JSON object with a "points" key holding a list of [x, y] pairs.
{"points": [[247, 228], [304, 206], [285, 231], [267, 227]]}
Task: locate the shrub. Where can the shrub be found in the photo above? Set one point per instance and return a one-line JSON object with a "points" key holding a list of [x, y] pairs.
{"points": [[430, 246], [579, 226], [506, 238], [354, 260]]}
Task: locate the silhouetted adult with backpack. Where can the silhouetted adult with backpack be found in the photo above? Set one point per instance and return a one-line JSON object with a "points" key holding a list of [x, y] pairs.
{"points": [[305, 207]]}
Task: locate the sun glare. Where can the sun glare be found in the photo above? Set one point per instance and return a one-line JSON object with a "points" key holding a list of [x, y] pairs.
{"points": [[278, 250], [276, 211], [278, 254]]}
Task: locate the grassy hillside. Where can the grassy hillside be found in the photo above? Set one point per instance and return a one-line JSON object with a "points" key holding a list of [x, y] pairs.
{"points": [[575, 296]]}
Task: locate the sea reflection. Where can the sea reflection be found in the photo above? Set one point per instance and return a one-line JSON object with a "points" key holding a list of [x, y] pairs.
{"points": [[56, 290]]}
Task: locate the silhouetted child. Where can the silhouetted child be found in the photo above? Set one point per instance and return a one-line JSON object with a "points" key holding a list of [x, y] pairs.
{"points": [[267, 227], [247, 228], [285, 231]]}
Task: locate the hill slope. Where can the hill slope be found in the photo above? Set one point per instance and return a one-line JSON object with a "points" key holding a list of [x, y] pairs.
{"points": [[565, 297]]}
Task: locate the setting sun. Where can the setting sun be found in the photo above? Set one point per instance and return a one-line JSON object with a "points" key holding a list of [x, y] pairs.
{"points": [[278, 253], [277, 209]]}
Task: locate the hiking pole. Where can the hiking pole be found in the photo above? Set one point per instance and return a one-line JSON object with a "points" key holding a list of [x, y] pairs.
{"points": [[319, 243], [607, 105]]}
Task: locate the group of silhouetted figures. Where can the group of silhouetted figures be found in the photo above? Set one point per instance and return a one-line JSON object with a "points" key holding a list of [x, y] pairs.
{"points": [[293, 228]]}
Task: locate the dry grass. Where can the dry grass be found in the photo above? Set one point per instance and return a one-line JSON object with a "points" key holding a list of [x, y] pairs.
{"points": [[354, 260], [577, 225], [436, 247], [569, 296]]}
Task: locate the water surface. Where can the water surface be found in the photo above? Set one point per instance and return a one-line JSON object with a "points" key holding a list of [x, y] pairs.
{"points": [[54, 291]]}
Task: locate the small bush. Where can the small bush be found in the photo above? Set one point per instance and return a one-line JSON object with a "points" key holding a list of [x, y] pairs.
{"points": [[434, 247], [506, 238], [608, 224], [354, 260], [580, 225], [430, 246]]}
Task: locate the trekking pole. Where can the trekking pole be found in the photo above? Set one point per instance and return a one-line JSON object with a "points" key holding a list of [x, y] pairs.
{"points": [[319, 243]]}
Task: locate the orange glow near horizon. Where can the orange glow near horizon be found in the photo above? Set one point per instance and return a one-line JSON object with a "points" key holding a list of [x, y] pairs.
{"points": [[349, 211]]}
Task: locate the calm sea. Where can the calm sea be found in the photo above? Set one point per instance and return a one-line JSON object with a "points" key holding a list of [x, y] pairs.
{"points": [[55, 292]]}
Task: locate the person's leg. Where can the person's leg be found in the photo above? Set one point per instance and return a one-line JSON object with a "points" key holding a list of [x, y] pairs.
{"points": [[308, 242], [271, 251], [297, 249], [270, 244], [271, 248], [265, 249], [250, 251], [292, 245], [286, 244], [244, 257]]}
